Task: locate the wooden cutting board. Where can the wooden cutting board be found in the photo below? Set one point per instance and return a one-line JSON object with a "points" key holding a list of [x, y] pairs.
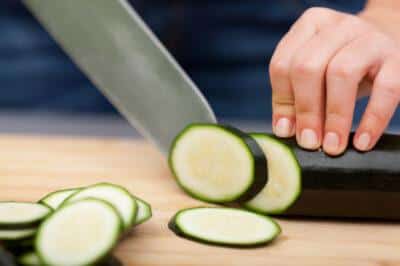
{"points": [[31, 166]]}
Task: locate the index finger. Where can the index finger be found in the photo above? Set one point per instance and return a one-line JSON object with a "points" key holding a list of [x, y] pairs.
{"points": [[283, 107]]}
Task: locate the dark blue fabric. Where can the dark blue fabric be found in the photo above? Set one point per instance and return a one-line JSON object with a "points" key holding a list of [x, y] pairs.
{"points": [[224, 45]]}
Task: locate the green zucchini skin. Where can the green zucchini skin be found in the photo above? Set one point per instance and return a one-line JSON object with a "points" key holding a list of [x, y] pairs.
{"points": [[29, 258], [260, 165], [22, 226], [354, 184]]}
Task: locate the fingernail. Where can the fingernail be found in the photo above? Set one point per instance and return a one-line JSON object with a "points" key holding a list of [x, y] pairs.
{"points": [[283, 128], [331, 142], [308, 139], [363, 141]]}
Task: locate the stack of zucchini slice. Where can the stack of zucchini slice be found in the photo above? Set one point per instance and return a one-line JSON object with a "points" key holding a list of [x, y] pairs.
{"points": [[19, 222], [46, 233], [221, 164]]}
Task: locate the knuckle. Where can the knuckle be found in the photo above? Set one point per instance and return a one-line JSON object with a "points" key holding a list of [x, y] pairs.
{"points": [[310, 117], [305, 67], [339, 70], [305, 109], [282, 101], [314, 12], [375, 117], [354, 21], [278, 67], [336, 117], [389, 88]]}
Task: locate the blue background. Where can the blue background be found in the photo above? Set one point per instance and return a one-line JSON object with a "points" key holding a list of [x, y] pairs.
{"points": [[224, 45]]}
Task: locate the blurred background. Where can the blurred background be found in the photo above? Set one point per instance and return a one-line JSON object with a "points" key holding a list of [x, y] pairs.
{"points": [[225, 47]]}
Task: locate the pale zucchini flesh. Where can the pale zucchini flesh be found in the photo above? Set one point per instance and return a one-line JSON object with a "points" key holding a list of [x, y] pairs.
{"points": [[284, 177], [143, 212], [116, 195], [217, 164], [224, 226], [80, 233], [21, 214], [17, 234], [56, 198]]}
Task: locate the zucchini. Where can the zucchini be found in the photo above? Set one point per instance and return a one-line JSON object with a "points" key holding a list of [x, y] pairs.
{"points": [[354, 184], [116, 195], [224, 226], [21, 214], [144, 211], [219, 164], [79, 233], [17, 234], [284, 172], [29, 259], [56, 198]]}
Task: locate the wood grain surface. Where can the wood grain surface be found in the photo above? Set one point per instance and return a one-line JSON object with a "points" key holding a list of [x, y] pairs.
{"points": [[31, 166]]}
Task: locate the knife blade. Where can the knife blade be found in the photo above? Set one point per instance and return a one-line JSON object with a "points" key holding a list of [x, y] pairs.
{"points": [[112, 45]]}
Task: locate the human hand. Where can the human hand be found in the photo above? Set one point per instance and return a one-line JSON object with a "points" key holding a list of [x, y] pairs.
{"points": [[321, 66]]}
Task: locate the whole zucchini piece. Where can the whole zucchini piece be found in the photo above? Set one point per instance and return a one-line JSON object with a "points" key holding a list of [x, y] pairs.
{"points": [[355, 184]]}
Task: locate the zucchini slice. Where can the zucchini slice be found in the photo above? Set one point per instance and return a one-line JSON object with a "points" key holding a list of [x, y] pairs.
{"points": [[284, 173], [21, 214], [56, 198], [219, 164], [224, 226], [116, 195], [144, 211], [17, 234], [80, 233], [29, 259]]}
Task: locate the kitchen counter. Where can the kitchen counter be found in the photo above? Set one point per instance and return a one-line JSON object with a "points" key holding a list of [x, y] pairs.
{"points": [[31, 166]]}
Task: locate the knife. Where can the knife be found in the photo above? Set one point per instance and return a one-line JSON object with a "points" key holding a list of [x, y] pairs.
{"points": [[112, 45]]}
